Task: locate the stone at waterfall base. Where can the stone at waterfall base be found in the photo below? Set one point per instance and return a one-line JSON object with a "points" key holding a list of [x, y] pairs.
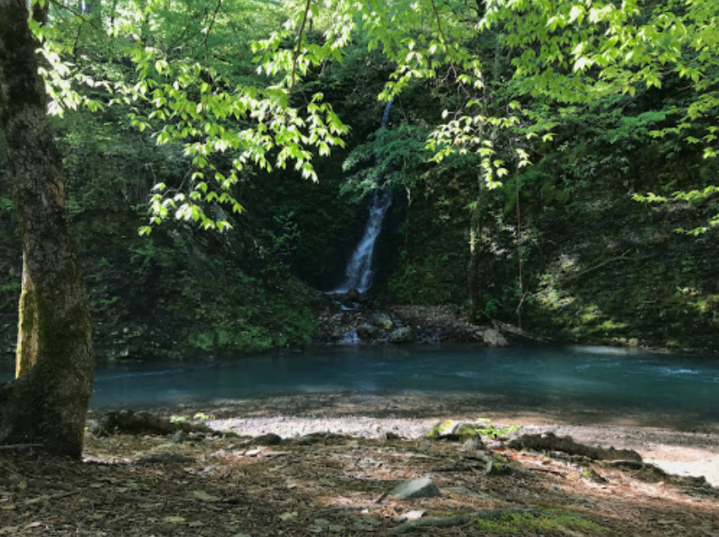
{"points": [[426, 324], [367, 331], [402, 335], [423, 487], [382, 320]]}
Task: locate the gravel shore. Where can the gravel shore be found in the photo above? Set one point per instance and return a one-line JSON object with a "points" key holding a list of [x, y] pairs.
{"points": [[679, 445]]}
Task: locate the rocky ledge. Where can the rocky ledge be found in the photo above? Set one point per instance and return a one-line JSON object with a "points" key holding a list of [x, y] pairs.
{"points": [[403, 324]]}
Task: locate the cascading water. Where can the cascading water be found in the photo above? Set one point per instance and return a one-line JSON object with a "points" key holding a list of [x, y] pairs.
{"points": [[358, 275]]}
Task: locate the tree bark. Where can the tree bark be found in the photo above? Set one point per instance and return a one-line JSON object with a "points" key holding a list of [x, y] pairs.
{"points": [[47, 403]]}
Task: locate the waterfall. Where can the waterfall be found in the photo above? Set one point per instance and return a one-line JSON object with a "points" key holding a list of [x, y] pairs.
{"points": [[358, 275]]}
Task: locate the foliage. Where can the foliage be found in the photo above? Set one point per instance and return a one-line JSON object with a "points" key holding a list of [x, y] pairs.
{"points": [[197, 106]]}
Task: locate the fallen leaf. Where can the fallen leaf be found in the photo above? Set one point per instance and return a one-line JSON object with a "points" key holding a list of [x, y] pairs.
{"points": [[22, 485], [288, 516], [203, 496], [7, 507]]}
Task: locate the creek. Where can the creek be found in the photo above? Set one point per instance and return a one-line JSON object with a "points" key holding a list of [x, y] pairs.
{"points": [[603, 380]]}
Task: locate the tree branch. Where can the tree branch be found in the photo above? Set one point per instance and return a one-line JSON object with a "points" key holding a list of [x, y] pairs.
{"points": [[212, 24], [298, 50], [75, 13]]}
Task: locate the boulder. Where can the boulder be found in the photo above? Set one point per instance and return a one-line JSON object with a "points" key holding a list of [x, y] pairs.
{"points": [[383, 321], [402, 335], [367, 331], [493, 338], [423, 487]]}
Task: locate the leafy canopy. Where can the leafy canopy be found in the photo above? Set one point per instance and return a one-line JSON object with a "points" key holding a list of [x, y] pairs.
{"points": [[226, 81]]}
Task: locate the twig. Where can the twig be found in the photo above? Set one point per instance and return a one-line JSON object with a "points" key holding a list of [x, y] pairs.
{"points": [[444, 38], [52, 496], [547, 471], [455, 468], [20, 446], [452, 65], [75, 13], [209, 28]]}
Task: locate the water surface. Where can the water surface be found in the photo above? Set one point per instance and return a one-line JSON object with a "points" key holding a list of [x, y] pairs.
{"points": [[599, 377], [607, 380]]}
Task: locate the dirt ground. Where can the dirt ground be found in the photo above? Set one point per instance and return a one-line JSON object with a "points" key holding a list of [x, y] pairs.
{"points": [[337, 484]]}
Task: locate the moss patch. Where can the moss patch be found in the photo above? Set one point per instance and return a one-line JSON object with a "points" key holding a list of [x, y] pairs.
{"points": [[549, 521]]}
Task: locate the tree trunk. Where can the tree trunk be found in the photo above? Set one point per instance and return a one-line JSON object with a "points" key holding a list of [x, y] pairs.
{"points": [[48, 402], [474, 265], [473, 274]]}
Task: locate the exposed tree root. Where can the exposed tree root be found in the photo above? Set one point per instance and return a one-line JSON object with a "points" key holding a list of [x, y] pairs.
{"points": [[460, 520], [551, 442], [129, 422]]}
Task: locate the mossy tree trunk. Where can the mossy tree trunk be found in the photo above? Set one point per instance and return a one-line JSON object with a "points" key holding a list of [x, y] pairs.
{"points": [[48, 401]]}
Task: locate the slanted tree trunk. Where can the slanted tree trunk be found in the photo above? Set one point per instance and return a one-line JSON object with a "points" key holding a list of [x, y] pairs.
{"points": [[47, 403]]}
